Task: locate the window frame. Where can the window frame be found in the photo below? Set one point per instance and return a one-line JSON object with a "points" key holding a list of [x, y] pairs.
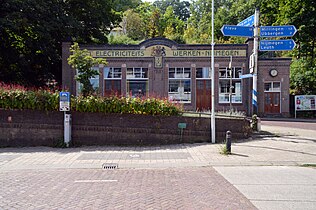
{"points": [[181, 75], [224, 78], [143, 72], [203, 78]]}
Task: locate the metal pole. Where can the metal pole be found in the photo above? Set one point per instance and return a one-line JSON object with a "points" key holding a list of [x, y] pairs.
{"points": [[231, 86], [213, 82], [255, 72]]}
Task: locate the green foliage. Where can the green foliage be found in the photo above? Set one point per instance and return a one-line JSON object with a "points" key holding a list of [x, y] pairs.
{"points": [[46, 100], [155, 28], [223, 149], [18, 98], [303, 77], [32, 32], [83, 62], [123, 5], [123, 105], [121, 39], [133, 25], [254, 122], [181, 8]]}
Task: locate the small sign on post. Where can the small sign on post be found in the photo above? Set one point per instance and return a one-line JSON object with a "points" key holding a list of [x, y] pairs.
{"points": [[64, 101]]}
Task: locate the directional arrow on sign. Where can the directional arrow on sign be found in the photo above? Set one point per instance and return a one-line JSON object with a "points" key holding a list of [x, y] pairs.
{"points": [[276, 45], [231, 30], [276, 31], [249, 21]]}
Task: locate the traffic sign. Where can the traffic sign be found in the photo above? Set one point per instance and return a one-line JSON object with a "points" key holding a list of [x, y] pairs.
{"points": [[245, 76], [276, 31], [64, 101], [231, 30], [249, 21], [276, 45]]}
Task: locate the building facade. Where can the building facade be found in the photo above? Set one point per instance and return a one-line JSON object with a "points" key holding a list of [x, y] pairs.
{"points": [[162, 68]]}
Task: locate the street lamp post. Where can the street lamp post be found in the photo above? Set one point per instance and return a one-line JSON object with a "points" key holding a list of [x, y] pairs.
{"points": [[213, 82], [230, 85]]}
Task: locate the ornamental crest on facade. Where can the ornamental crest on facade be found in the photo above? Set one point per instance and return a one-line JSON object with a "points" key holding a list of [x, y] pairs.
{"points": [[158, 53]]}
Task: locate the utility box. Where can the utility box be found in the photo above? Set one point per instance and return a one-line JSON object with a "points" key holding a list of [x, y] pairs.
{"points": [[67, 129]]}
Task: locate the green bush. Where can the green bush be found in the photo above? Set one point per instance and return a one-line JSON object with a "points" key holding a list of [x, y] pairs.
{"points": [[16, 97]]}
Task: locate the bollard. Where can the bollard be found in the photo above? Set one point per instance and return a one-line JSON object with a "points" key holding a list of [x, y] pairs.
{"points": [[228, 141]]}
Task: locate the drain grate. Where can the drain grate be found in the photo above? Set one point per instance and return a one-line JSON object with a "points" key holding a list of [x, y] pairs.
{"points": [[109, 166]]}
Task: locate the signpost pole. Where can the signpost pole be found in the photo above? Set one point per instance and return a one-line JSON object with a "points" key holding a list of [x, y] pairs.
{"points": [[64, 106], [213, 81], [255, 71], [230, 85]]}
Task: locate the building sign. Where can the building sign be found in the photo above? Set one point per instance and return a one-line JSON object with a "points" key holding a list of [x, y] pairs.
{"points": [[305, 102], [165, 52]]}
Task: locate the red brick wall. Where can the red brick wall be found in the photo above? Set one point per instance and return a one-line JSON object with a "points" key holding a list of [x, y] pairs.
{"points": [[34, 128]]}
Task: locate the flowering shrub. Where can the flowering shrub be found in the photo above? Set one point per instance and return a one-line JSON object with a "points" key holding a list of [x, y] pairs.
{"points": [[17, 97]]}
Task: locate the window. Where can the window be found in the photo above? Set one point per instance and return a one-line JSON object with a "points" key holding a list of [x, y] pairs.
{"points": [[137, 82], [112, 73], [224, 85], [272, 86], [180, 84], [133, 73], [203, 73], [93, 80], [112, 81]]}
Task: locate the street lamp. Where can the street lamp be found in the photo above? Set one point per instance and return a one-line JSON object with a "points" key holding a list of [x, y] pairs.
{"points": [[213, 82]]}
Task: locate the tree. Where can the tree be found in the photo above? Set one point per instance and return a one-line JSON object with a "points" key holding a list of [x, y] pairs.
{"points": [[32, 32], [181, 8], [133, 25], [124, 5], [154, 26], [303, 77], [82, 61], [173, 26]]}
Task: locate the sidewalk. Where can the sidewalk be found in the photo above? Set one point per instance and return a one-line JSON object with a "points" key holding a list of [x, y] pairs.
{"points": [[266, 170], [286, 150]]}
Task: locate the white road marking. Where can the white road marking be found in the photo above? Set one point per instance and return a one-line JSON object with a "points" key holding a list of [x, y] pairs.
{"points": [[94, 181]]}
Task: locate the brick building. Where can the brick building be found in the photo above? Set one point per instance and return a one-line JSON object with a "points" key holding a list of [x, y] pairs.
{"points": [[181, 72]]}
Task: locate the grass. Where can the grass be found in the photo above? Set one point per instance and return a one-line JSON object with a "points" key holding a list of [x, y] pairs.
{"points": [[223, 150]]}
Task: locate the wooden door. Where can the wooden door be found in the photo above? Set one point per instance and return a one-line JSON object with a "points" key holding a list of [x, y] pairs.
{"points": [[203, 95], [272, 103]]}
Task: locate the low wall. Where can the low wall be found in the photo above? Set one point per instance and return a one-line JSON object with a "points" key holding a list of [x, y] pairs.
{"points": [[37, 128]]}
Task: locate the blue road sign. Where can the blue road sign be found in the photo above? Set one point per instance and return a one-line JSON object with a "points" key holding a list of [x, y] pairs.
{"points": [[276, 45], [245, 76], [249, 21], [64, 96], [231, 30], [275, 31], [64, 101]]}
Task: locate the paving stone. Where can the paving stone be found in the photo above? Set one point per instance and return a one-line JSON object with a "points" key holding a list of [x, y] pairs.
{"points": [[188, 188]]}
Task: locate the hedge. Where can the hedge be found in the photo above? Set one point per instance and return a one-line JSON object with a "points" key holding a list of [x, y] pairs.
{"points": [[18, 97]]}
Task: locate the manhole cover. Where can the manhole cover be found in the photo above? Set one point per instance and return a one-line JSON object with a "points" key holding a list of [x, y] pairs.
{"points": [[110, 166]]}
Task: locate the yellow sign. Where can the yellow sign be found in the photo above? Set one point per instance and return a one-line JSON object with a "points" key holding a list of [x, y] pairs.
{"points": [[164, 51]]}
